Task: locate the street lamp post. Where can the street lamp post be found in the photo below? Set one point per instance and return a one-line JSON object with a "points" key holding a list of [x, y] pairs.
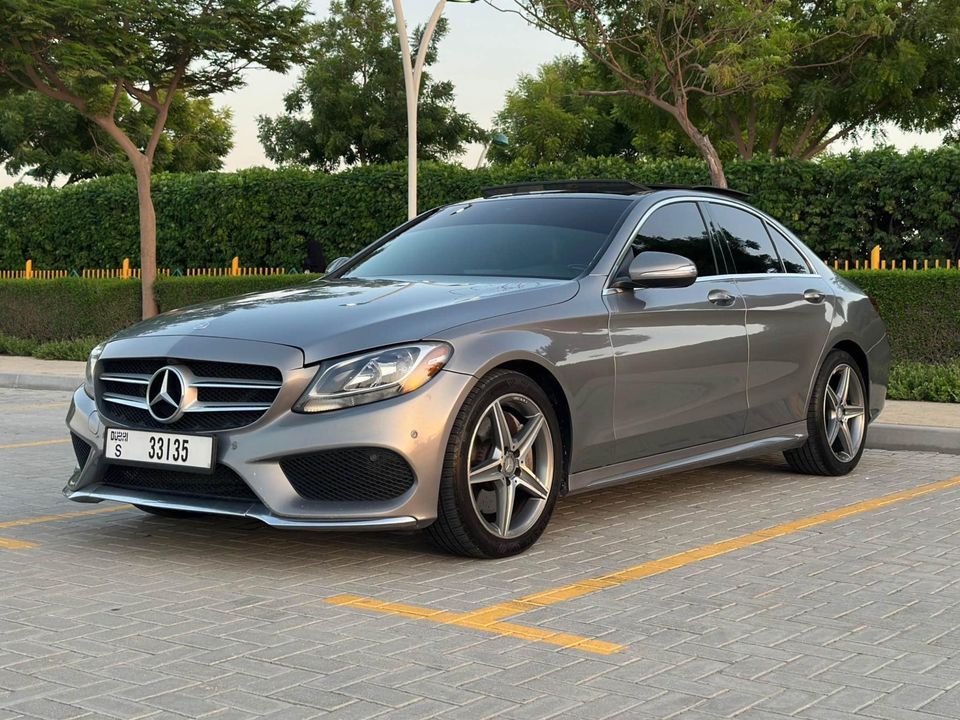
{"points": [[412, 76]]}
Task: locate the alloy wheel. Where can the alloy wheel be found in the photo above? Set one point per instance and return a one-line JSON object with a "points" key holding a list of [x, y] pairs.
{"points": [[843, 413], [511, 465]]}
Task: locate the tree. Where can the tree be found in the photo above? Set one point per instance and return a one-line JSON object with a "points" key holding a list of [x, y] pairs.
{"points": [[860, 65], [673, 53], [551, 117], [48, 139], [349, 107], [548, 119], [90, 54]]}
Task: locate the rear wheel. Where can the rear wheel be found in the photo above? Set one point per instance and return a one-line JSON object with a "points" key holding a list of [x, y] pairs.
{"points": [[836, 420], [502, 469]]}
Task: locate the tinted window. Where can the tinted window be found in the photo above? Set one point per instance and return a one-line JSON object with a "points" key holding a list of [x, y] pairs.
{"points": [[746, 237], [676, 228], [793, 261], [543, 237]]}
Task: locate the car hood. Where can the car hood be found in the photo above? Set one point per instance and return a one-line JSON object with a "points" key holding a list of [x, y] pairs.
{"points": [[328, 318]]}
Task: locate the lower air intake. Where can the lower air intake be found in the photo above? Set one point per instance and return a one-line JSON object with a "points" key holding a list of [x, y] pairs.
{"points": [[349, 475], [223, 484]]}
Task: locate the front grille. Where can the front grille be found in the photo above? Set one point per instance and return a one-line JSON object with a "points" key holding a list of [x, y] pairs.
{"points": [[223, 484], [349, 474], [229, 395], [81, 449]]}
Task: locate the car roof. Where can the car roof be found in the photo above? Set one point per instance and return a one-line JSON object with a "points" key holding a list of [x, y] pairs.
{"points": [[593, 187]]}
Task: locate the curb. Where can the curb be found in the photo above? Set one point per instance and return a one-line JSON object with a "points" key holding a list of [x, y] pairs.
{"points": [[919, 438], [25, 381]]}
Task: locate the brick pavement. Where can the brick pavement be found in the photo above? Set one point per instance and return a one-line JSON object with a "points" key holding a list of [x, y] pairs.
{"points": [[125, 615]]}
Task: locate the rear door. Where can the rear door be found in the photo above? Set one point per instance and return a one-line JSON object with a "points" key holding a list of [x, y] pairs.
{"points": [[681, 353], [788, 314]]}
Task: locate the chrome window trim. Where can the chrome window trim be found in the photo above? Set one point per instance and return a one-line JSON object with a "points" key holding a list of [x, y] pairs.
{"points": [[719, 201]]}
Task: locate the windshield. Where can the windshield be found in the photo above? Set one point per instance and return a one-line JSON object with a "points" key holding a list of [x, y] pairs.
{"points": [[543, 237]]}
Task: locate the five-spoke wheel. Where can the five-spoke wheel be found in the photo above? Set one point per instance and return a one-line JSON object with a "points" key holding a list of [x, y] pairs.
{"points": [[502, 471], [836, 419]]}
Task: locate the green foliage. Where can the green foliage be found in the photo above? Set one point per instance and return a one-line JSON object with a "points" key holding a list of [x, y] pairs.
{"points": [[921, 311], [349, 106], [841, 207], [44, 311], [918, 381], [47, 139], [175, 293], [78, 349]]}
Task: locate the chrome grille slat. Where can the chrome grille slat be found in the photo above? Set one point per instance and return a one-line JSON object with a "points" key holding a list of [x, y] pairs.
{"points": [[231, 395]]}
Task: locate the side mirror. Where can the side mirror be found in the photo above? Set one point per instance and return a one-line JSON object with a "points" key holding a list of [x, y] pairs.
{"points": [[660, 269], [337, 264]]}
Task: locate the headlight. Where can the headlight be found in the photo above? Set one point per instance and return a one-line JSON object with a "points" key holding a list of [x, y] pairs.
{"points": [[373, 376], [91, 364]]}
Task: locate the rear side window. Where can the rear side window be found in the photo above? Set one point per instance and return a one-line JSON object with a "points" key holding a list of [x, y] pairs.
{"points": [[793, 261], [677, 228], [747, 239]]}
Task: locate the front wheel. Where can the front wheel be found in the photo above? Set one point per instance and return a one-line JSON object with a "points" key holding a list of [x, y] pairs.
{"points": [[502, 470], [836, 420]]}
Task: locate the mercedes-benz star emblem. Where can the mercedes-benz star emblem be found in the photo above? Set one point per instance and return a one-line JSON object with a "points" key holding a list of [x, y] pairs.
{"points": [[165, 394]]}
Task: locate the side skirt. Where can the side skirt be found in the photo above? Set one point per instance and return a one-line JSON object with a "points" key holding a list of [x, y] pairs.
{"points": [[738, 448]]}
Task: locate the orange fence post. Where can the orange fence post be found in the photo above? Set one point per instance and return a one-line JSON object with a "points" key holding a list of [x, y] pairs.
{"points": [[125, 272], [235, 266], [28, 269], [875, 258]]}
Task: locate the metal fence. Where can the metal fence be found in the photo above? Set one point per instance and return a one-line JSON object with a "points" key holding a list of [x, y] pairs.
{"points": [[125, 271]]}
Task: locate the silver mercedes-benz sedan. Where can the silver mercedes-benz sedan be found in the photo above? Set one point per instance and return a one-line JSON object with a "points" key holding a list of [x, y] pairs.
{"points": [[474, 365]]}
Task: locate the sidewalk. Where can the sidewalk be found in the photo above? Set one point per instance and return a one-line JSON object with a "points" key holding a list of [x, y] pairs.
{"points": [[920, 426]]}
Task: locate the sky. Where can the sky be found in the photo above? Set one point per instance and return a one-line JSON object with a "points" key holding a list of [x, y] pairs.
{"points": [[483, 54]]}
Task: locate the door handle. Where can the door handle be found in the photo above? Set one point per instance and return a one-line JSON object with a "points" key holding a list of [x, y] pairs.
{"points": [[721, 297], [813, 296]]}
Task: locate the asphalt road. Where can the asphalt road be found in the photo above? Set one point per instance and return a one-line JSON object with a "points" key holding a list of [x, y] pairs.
{"points": [[738, 591]]}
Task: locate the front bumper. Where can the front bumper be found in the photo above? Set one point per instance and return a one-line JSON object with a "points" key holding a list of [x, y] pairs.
{"points": [[415, 426]]}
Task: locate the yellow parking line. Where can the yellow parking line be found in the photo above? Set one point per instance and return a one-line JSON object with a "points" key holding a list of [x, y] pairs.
{"points": [[35, 443], [9, 544], [465, 620], [490, 618], [62, 516]]}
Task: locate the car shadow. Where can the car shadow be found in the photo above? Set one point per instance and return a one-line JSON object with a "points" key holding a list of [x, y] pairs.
{"points": [[710, 501]]}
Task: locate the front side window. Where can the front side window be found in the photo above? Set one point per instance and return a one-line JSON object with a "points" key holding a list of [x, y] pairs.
{"points": [[746, 237], [793, 261], [533, 237], [676, 228]]}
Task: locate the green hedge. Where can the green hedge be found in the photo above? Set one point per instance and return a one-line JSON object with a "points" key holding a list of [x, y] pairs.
{"points": [[841, 205], [921, 310], [70, 308]]}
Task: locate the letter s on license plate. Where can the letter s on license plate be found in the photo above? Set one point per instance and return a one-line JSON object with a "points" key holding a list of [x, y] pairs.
{"points": [[139, 447]]}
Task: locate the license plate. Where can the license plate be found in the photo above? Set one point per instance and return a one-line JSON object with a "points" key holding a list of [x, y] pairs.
{"points": [[139, 447]]}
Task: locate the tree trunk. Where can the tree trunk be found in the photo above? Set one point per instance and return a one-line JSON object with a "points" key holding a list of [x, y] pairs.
{"points": [[707, 151], [148, 236]]}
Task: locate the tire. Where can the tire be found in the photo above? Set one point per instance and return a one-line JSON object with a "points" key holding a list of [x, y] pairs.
{"points": [[821, 455], [169, 512], [470, 517]]}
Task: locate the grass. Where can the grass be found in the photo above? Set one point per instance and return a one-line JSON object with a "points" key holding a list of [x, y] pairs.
{"points": [[918, 381], [77, 349]]}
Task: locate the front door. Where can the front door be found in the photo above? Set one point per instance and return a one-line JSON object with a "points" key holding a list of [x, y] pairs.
{"points": [[681, 353]]}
